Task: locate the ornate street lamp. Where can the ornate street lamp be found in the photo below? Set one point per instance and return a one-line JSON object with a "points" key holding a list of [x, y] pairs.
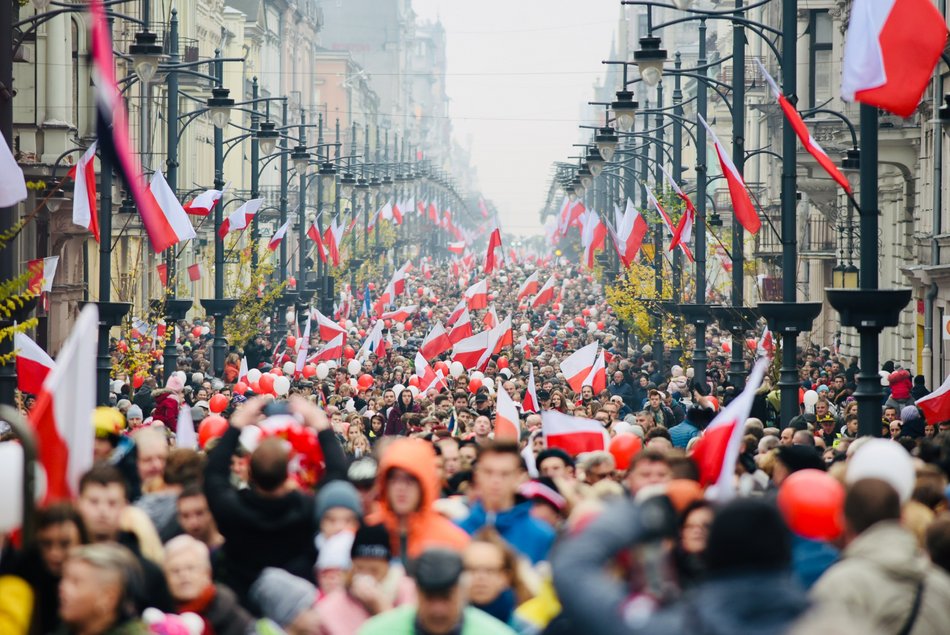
{"points": [[301, 159], [625, 109], [220, 105], [146, 55], [650, 59], [267, 137], [606, 141], [595, 162]]}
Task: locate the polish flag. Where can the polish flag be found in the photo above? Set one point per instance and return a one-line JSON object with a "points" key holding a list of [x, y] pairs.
{"points": [[43, 271], [330, 351], [766, 346], [429, 379], [477, 295], [32, 364], [597, 378], [935, 406], [460, 308], [562, 216], [668, 222], [433, 213], [242, 372], [741, 202], [578, 365], [592, 236], [83, 175], [331, 244], [890, 52], [494, 242], [278, 236], [162, 270], [684, 230], [574, 435], [401, 314], [630, 234], [64, 407], [545, 295], [375, 342], [194, 272], [240, 218], [801, 130], [717, 450], [457, 248], [507, 420], [13, 186], [386, 211], [421, 206], [530, 403], [462, 328], [314, 234], [436, 342], [397, 213], [398, 281], [491, 318], [469, 351], [202, 204], [165, 221], [529, 286], [327, 328], [303, 349], [503, 335]]}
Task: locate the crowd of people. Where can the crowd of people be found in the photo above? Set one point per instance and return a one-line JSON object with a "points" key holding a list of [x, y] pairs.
{"points": [[357, 499]]}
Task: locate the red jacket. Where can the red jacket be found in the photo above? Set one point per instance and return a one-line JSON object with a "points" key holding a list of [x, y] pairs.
{"points": [[166, 408]]}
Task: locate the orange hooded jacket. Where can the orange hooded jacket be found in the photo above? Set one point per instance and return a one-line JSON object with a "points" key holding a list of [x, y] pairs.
{"points": [[426, 528]]}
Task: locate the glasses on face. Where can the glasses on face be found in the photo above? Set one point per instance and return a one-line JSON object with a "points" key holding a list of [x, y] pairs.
{"points": [[596, 477], [485, 570]]}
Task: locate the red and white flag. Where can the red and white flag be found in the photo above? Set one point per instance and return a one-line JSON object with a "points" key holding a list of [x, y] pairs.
{"points": [[375, 342], [545, 295], [766, 345], [327, 328], [801, 130], [303, 349], [593, 233], [457, 247], [242, 372], [631, 231], [240, 218], [194, 272], [278, 236], [33, 364], [935, 406], [494, 242], [529, 403], [476, 295], [741, 201], [314, 234], [502, 335], [428, 378], [83, 175], [165, 222], [462, 328], [401, 314], [684, 229], [890, 52], [457, 312], [507, 420], [64, 408], [717, 451], [529, 286], [13, 184], [577, 366], [436, 342], [668, 222], [470, 351], [597, 378], [202, 204], [574, 435], [42, 270], [330, 351], [491, 317]]}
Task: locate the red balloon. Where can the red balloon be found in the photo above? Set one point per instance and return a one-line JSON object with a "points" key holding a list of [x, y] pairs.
{"points": [[502, 362], [414, 381], [372, 286], [266, 382], [751, 344], [474, 385], [440, 365], [196, 331], [387, 323], [624, 447], [137, 381], [256, 387], [291, 341], [122, 346], [276, 370], [211, 427], [600, 325], [309, 371], [292, 282], [420, 291], [408, 325], [585, 312], [362, 332], [365, 381], [348, 352], [218, 403], [240, 388], [812, 503]]}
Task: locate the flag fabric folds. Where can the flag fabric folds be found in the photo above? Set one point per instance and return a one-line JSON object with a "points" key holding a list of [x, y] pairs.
{"points": [[574, 435], [33, 364], [507, 420], [577, 366], [166, 222], [83, 174], [741, 202], [278, 236], [13, 184], [936, 405]]}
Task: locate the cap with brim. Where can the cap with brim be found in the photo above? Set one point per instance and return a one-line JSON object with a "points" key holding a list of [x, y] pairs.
{"points": [[436, 570]]}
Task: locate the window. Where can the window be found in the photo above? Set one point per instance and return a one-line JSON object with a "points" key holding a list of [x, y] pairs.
{"points": [[820, 57]]}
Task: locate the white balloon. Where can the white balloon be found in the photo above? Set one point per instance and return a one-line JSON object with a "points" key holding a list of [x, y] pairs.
{"points": [[594, 313], [290, 317], [456, 369], [205, 329], [591, 327], [282, 386], [477, 375], [353, 367], [332, 363], [322, 371], [400, 327], [491, 388], [117, 386], [197, 378], [353, 383], [884, 460], [253, 375], [414, 390], [289, 368], [250, 437], [11, 495], [398, 388], [810, 398], [525, 327]]}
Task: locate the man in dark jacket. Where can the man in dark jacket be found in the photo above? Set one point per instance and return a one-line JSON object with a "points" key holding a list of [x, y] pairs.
{"points": [[270, 524], [620, 387]]}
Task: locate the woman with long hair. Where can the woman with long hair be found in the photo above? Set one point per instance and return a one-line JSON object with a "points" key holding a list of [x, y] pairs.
{"points": [[404, 405]]}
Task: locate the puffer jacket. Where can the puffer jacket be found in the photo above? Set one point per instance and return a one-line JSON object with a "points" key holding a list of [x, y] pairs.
{"points": [[166, 408], [425, 527], [877, 578]]}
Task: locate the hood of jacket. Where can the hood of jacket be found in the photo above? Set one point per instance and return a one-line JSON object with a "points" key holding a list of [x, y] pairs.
{"points": [[416, 457], [890, 547]]}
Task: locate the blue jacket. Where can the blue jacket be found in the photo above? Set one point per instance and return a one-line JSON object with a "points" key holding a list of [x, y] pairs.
{"points": [[811, 558], [526, 534], [682, 432]]}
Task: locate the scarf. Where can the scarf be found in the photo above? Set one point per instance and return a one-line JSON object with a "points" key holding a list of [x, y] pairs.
{"points": [[502, 607]]}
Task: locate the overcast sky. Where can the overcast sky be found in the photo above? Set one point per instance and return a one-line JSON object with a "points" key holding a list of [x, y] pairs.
{"points": [[518, 71]]}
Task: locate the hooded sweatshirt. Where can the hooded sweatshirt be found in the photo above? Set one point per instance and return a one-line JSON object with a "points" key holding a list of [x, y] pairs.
{"points": [[425, 527]]}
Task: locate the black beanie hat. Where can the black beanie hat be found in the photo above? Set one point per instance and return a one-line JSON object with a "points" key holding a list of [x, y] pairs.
{"points": [[748, 534], [800, 457], [371, 541]]}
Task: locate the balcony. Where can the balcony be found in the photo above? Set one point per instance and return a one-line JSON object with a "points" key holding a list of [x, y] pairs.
{"points": [[767, 244], [818, 239]]}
